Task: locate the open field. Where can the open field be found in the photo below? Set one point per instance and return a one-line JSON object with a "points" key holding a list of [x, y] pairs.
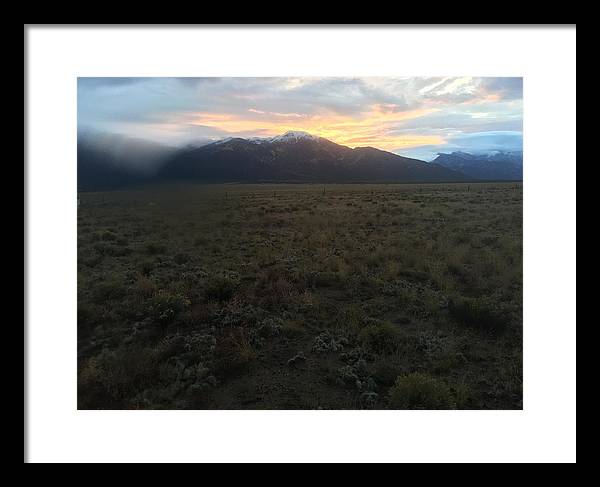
{"points": [[301, 297]]}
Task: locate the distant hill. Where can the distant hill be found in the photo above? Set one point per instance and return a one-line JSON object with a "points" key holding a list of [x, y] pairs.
{"points": [[493, 165], [298, 156], [117, 162]]}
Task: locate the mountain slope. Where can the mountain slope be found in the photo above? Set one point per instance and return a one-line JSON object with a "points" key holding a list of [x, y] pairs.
{"points": [[494, 165], [297, 156]]}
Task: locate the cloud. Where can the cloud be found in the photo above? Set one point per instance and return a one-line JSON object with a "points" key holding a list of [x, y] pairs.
{"points": [[106, 82], [506, 88], [132, 154], [484, 141], [474, 143], [386, 112]]}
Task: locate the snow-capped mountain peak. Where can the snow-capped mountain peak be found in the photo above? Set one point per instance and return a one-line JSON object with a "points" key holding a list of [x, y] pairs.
{"points": [[293, 136], [223, 141], [289, 136]]}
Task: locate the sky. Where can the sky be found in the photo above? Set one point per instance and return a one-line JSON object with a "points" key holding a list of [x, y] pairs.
{"points": [[415, 117]]}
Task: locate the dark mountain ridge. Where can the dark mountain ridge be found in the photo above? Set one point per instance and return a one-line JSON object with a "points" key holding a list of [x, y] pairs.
{"points": [[495, 165], [298, 157], [291, 157]]}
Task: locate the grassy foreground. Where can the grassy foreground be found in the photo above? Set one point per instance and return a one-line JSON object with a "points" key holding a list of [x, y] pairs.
{"points": [[301, 297]]}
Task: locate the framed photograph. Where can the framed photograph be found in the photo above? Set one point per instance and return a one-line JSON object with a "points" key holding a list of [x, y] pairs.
{"points": [[283, 248]]}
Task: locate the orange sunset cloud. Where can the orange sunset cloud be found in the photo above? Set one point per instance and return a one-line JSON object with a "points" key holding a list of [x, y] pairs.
{"points": [[373, 127]]}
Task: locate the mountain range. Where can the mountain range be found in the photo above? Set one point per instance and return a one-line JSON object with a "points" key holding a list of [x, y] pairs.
{"points": [[291, 157], [297, 156], [491, 165]]}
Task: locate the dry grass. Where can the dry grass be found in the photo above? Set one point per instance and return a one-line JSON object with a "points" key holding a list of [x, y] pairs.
{"points": [[417, 278]]}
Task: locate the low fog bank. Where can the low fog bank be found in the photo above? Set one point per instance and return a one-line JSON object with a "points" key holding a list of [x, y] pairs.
{"points": [[106, 160], [127, 153]]}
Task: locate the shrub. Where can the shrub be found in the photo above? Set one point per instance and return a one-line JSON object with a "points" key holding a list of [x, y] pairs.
{"points": [[385, 373], [379, 337], [146, 267], [200, 241], [459, 272], [181, 258], [220, 289], [145, 286], [107, 290], [325, 279], [118, 374], [91, 259], [233, 352], [110, 249], [489, 240], [154, 248], [420, 391], [108, 236], [479, 313], [86, 314], [165, 306], [462, 395]]}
